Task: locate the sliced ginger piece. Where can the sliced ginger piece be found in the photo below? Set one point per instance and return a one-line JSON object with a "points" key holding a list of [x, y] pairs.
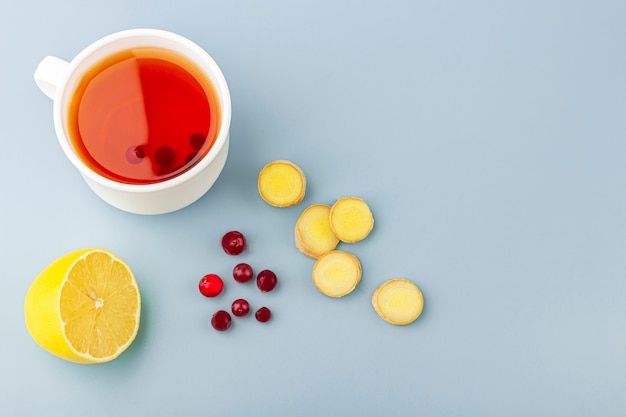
{"points": [[312, 232], [336, 273], [282, 184], [351, 219], [398, 301]]}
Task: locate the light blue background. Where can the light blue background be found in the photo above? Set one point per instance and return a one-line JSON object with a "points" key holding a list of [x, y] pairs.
{"points": [[489, 138]]}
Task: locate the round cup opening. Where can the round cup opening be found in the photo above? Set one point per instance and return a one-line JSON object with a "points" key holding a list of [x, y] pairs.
{"points": [[133, 39]]}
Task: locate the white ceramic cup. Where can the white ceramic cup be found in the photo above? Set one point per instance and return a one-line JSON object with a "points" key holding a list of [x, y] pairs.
{"points": [[58, 79]]}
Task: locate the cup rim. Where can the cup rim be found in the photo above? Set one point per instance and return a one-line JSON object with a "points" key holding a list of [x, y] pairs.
{"points": [[217, 79]]}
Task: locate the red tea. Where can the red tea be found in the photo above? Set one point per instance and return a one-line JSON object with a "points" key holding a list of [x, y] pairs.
{"points": [[143, 116]]}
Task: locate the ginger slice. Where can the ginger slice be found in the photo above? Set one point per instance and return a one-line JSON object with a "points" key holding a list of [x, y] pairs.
{"points": [[398, 301], [351, 219], [282, 184], [312, 232], [336, 273]]}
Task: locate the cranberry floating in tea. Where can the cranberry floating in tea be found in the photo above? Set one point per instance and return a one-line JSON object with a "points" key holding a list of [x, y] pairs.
{"points": [[135, 154]]}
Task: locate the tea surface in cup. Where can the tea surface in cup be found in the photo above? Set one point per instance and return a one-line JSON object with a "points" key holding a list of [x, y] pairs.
{"points": [[143, 116]]}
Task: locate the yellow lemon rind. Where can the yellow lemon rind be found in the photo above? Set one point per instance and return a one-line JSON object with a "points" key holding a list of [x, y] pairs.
{"points": [[43, 314]]}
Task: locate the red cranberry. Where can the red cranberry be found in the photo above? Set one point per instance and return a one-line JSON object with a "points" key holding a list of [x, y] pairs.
{"points": [[221, 320], [191, 157], [197, 141], [242, 272], [211, 285], [135, 154], [164, 155], [240, 307], [167, 170], [233, 242], [266, 280], [263, 314]]}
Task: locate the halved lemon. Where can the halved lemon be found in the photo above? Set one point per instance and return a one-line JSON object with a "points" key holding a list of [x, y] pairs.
{"points": [[84, 307]]}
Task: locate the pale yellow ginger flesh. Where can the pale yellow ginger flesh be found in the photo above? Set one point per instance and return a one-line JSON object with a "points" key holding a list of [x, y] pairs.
{"points": [[282, 184], [351, 219], [398, 301], [312, 232], [336, 273]]}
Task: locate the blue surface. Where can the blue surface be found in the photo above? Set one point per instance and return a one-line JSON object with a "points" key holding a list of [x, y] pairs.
{"points": [[489, 139]]}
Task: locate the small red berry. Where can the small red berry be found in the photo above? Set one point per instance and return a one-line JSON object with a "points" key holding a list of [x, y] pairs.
{"points": [[211, 285], [263, 314], [221, 320], [266, 280], [233, 242], [242, 272], [135, 154], [197, 141], [164, 155], [240, 307], [191, 157]]}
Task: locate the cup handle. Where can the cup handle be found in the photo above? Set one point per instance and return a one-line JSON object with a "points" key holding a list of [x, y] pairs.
{"points": [[49, 74]]}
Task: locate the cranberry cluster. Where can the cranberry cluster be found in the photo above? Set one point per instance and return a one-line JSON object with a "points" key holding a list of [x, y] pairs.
{"points": [[211, 285]]}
